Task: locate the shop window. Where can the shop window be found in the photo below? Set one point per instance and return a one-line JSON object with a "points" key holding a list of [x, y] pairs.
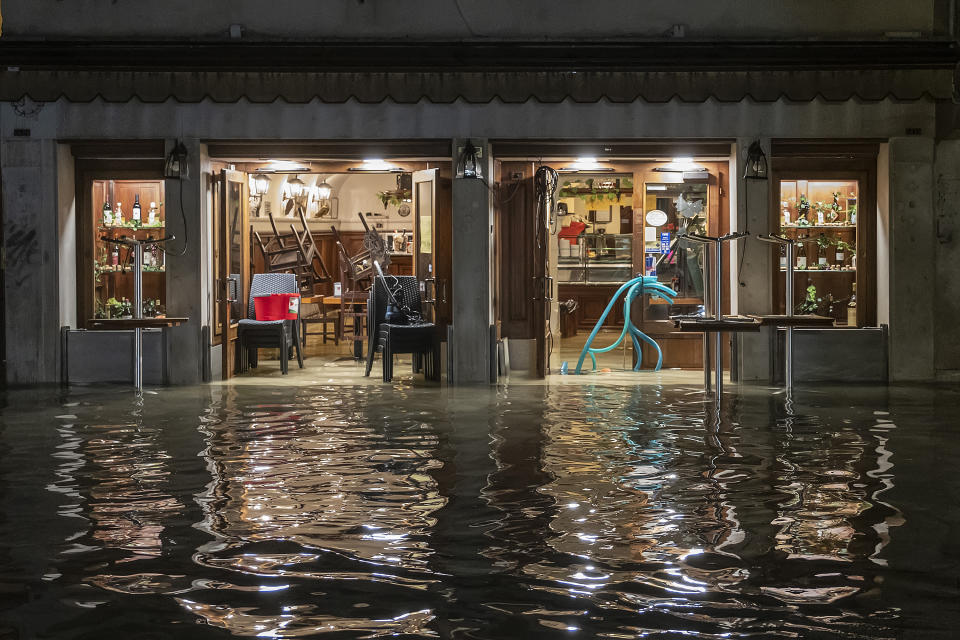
{"points": [[127, 209], [824, 214], [595, 242]]}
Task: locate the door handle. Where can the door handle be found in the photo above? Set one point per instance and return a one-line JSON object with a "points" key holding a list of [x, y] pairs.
{"points": [[225, 289], [443, 291], [430, 296]]}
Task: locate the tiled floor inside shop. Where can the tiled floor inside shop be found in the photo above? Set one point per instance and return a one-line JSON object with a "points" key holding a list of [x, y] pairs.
{"points": [[334, 364]]}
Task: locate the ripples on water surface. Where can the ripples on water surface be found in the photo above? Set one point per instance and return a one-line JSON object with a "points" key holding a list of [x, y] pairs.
{"points": [[574, 512]]}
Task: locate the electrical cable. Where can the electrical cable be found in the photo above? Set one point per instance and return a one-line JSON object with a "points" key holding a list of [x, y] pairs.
{"points": [[183, 217]]}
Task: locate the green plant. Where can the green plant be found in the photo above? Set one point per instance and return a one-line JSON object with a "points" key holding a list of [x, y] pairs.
{"points": [[824, 242], [811, 303], [396, 197]]}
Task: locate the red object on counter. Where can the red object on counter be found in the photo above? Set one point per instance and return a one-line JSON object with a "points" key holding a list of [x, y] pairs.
{"points": [[572, 230], [277, 306]]}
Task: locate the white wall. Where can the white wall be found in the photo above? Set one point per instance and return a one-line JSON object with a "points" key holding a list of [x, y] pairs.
{"points": [[469, 19], [354, 193], [883, 235]]}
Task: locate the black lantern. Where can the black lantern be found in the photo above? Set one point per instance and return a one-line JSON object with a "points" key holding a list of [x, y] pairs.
{"points": [[176, 165], [468, 164], [756, 166]]}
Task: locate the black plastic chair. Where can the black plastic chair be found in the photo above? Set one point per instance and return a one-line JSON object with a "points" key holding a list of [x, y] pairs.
{"points": [[269, 334], [419, 339]]}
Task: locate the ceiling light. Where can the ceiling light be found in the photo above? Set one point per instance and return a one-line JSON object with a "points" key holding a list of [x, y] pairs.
{"points": [[376, 165]]}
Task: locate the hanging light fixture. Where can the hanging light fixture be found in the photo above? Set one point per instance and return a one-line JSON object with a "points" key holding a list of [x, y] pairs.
{"points": [[756, 165], [468, 164], [324, 190], [176, 165], [259, 184], [294, 188]]}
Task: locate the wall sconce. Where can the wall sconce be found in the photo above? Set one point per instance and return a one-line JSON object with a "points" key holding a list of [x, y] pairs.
{"points": [[176, 165], [468, 164], [324, 190], [756, 165], [259, 183], [294, 188]]}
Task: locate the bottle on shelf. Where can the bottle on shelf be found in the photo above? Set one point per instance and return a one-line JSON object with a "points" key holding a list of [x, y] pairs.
{"points": [[822, 244], [107, 215], [115, 257], [840, 255], [152, 214], [852, 308], [135, 214], [118, 215], [148, 253], [783, 257], [801, 257]]}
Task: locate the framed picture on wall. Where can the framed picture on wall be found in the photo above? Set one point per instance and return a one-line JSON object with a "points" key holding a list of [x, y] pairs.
{"points": [[601, 216]]}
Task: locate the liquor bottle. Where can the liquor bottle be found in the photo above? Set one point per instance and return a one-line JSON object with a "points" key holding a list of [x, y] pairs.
{"points": [[115, 257], [148, 253], [822, 251], [802, 258], [107, 214], [840, 255], [136, 211], [157, 251], [852, 308], [152, 214], [783, 258], [118, 215]]}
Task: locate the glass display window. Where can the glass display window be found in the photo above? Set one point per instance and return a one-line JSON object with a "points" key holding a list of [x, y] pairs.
{"points": [[824, 214], [127, 209], [671, 210]]}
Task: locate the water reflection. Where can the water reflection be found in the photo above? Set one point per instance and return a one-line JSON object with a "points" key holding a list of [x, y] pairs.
{"points": [[324, 488], [528, 510]]}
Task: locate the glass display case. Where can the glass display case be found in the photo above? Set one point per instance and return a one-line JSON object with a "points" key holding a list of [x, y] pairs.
{"points": [[596, 258], [824, 213], [131, 209]]}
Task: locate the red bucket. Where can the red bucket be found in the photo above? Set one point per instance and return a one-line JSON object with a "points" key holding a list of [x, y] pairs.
{"points": [[277, 306]]}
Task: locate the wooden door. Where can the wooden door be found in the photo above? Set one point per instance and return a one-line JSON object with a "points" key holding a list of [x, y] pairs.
{"points": [[543, 284], [432, 256], [233, 262]]}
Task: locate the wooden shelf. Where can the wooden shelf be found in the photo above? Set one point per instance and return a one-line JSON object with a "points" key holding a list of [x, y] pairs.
{"points": [[821, 270], [819, 226], [116, 324]]}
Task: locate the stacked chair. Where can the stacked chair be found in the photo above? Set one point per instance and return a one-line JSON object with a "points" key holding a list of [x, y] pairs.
{"points": [[295, 252], [255, 334], [419, 339]]}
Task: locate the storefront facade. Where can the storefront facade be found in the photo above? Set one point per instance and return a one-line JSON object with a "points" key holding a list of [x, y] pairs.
{"points": [[884, 127]]}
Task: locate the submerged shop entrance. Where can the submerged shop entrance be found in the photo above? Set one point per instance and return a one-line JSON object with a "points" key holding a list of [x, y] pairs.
{"points": [[612, 219], [319, 218]]}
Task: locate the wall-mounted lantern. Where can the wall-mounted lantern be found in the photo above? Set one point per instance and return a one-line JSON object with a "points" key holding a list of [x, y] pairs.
{"points": [[176, 165], [756, 165], [468, 162]]}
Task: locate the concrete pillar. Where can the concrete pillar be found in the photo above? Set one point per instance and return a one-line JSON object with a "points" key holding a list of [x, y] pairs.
{"points": [[185, 288], [28, 168], [947, 230], [751, 286], [472, 273], [912, 259]]}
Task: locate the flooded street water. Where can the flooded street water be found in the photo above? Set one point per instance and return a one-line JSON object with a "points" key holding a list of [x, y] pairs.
{"points": [[514, 512]]}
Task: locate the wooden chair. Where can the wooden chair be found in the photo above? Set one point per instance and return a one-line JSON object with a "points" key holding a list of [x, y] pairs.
{"points": [[294, 253]]}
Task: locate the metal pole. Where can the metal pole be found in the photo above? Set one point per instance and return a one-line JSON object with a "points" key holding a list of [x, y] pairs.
{"points": [[718, 303], [788, 360], [138, 315], [710, 311]]}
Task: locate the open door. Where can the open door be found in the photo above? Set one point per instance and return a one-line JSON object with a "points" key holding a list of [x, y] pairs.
{"points": [[233, 262], [433, 236]]}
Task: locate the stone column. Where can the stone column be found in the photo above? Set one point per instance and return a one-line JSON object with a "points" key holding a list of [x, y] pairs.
{"points": [[472, 272], [751, 285], [947, 319], [28, 168], [185, 286], [912, 259]]}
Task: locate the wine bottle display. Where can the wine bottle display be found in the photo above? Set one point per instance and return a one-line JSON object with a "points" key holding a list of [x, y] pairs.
{"points": [[136, 210]]}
